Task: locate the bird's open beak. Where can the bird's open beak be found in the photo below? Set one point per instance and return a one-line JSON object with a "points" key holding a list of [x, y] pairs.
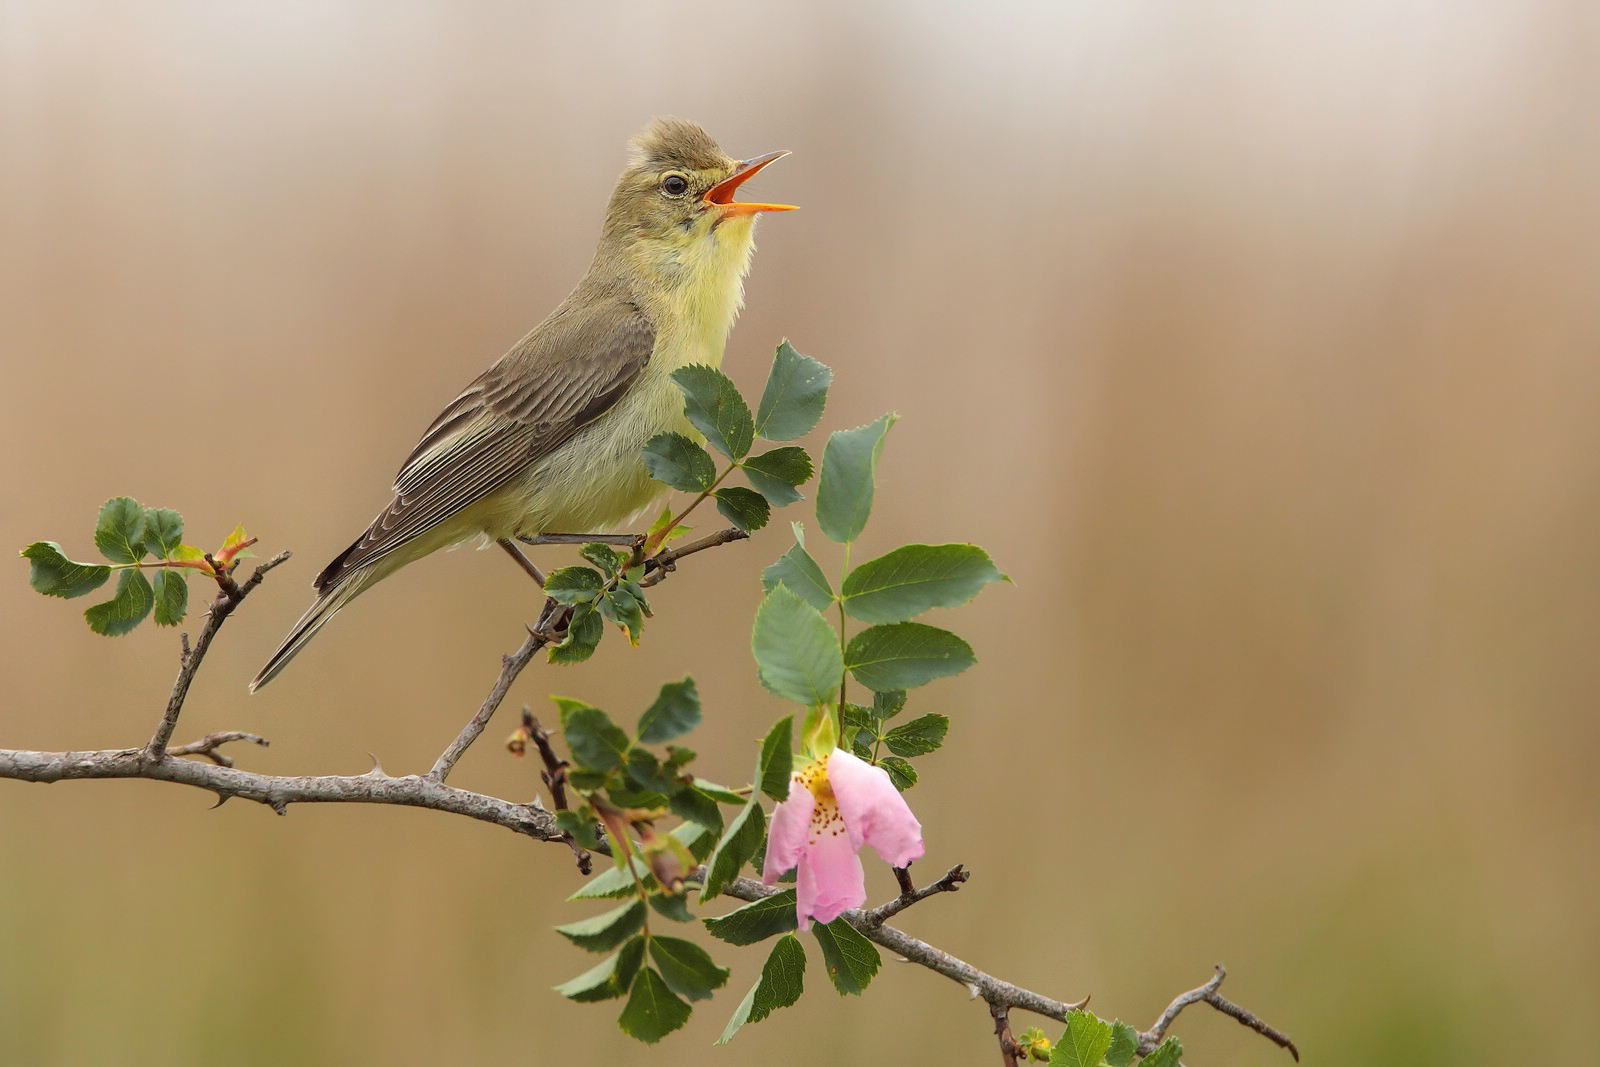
{"points": [[721, 193]]}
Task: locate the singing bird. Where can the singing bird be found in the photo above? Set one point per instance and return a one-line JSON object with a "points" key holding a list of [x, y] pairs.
{"points": [[549, 438]]}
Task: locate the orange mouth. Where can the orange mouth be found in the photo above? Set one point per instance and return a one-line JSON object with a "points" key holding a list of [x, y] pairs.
{"points": [[721, 194]]}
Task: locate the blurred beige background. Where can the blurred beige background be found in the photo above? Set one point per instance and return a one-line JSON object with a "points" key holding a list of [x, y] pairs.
{"points": [[1259, 343]]}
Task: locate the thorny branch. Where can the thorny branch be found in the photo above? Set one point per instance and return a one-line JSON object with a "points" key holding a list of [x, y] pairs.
{"points": [[159, 761]]}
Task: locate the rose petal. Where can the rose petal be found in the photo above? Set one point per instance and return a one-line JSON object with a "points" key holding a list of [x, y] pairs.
{"points": [[874, 811], [830, 881], [786, 834]]}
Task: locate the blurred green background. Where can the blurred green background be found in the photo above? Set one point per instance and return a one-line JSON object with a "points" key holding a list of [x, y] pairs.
{"points": [[1259, 343]]}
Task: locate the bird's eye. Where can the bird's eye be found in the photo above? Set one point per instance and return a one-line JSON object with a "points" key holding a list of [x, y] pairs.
{"points": [[675, 185]]}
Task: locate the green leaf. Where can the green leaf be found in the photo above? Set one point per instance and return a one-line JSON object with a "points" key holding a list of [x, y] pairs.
{"points": [[53, 574], [688, 969], [580, 824], [777, 473], [797, 570], [621, 607], [238, 536], [904, 655], [653, 1011], [573, 585], [608, 559], [613, 882], [851, 959], [887, 703], [696, 839], [739, 842], [163, 531], [584, 632], [777, 759], [1084, 1044], [849, 468], [597, 743], [756, 921], [171, 594], [604, 932], [901, 773], [911, 579], [1124, 1045], [609, 978], [716, 409], [918, 737], [795, 394], [674, 907], [689, 803], [679, 462], [125, 610], [781, 983], [797, 652], [745, 508], [119, 532], [675, 712], [1166, 1054], [858, 730]]}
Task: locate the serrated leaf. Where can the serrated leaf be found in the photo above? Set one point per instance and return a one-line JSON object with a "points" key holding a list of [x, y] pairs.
{"points": [[689, 803], [573, 585], [901, 774], [849, 473], [777, 759], [714, 406], [1166, 1054], [608, 979], [604, 932], [851, 959], [133, 600], [1085, 1042], [696, 838], [580, 825], [584, 632], [674, 907], [918, 737], [904, 655], [53, 574], [738, 843], [171, 592], [653, 1010], [720, 793], [609, 560], [797, 652], [745, 508], [858, 730], [780, 985], [688, 969], [797, 570], [188, 554], [778, 473], [119, 531], [675, 460], [914, 578], [675, 711], [794, 396], [596, 743], [1124, 1045], [661, 522], [622, 608], [887, 703], [163, 531], [756, 921]]}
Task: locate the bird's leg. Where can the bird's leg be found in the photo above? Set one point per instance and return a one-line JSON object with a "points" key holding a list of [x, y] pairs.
{"points": [[622, 540], [522, 561]]}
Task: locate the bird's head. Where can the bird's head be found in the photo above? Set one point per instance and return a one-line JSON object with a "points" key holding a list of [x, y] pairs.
{"points": [[674, 205]]}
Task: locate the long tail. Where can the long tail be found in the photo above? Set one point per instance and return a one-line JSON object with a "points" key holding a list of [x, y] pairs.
{"points": [[325, 607]]}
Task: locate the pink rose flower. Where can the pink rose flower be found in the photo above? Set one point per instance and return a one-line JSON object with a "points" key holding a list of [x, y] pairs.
{"points": [[835, 806]]}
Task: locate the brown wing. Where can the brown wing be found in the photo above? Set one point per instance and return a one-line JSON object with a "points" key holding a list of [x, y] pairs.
{"points": [[564, 374]]}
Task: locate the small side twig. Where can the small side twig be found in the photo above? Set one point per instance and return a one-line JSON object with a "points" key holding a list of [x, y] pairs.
{"points": [[949, 882], [230, 595], [207, 746], [1208, 994], [554, 776], [1002, 1033], [663, 563]]}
